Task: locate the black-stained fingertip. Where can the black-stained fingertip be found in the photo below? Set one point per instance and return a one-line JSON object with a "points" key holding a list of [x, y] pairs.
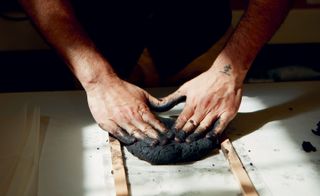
{"points": [[125, 139], [180, 136], [213, 137], [193, 137], [130, 140]]}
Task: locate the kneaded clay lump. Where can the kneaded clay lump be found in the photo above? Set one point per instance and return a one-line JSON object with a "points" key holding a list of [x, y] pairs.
{"points": [[173, 152]]}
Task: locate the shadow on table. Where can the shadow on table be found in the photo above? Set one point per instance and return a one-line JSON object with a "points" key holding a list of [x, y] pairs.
{"points": [[246, 123]]}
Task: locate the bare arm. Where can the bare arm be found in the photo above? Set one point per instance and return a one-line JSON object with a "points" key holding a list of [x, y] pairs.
{"points": [[214, 96], [117, 106], [57, 22], [258, 24]]}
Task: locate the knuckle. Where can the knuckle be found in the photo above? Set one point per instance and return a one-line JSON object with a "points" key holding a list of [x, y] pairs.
{"points": [[132, 113], [182, 119], [204, 126], [144, 112], [135, 132], [162, 126], [146, 128], [142, 107], [156, 121], [138, 134]]}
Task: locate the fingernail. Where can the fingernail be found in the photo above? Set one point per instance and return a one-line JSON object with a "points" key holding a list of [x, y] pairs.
{"points": [[180, 136]]}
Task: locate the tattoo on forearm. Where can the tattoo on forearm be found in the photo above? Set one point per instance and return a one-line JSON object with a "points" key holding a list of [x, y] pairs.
{"points": [[226, 69]]}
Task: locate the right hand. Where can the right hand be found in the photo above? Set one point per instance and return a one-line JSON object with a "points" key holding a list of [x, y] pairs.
{"points": [[122, 109]]}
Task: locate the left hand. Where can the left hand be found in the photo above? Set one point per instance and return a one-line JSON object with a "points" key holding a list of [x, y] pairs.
{"points": [[212, 101]]}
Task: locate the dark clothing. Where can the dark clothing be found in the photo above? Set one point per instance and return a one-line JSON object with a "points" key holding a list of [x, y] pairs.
{"points": [[175, 32]]}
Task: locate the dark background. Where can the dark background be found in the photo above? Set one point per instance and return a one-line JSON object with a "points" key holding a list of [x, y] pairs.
{"points": [[43, 70]]}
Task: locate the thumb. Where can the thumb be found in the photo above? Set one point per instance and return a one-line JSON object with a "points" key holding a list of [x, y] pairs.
{"points": [[166, 103]]}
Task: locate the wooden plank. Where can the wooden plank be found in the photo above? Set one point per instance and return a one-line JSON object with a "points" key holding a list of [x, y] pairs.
{"points": [[237, 169], [119, 173]]}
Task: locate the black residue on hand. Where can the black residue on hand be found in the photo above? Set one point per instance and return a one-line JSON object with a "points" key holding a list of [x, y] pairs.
{"points": [[308, 147]]}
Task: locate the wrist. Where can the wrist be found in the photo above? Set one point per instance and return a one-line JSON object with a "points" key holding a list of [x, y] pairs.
{"points": [[92, 70], [229, 69], [94, 74], [96, 80]]}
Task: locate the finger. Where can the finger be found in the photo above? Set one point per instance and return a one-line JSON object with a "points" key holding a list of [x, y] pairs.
{"points": [[219, 126], [194, 121], [225, 119], [152, 101], [203, 127], [166, 103], [184, 116], [212, 131], [154, 122], [132, 130], [190, 125], [117, 132], [148, 130], [186, 130], [181, 135]]}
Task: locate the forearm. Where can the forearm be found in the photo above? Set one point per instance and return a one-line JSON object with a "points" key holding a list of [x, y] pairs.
{"points": [[260, 21], [57, 22]]}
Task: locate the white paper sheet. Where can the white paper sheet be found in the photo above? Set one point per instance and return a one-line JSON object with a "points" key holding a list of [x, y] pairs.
{"points": [[20, 147]]}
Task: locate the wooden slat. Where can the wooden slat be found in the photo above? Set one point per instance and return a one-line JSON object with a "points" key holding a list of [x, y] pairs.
{"points": [[237, 169], [119, 173]]}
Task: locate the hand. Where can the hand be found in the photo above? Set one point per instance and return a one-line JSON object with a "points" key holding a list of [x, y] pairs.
{"points": [[212, 101], [121, 109]]}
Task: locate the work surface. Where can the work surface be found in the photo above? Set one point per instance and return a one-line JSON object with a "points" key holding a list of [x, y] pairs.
{"points": [[273, 121]]}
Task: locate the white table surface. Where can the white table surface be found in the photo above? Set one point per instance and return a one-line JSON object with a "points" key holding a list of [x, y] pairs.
{"points": [[75, 158]]}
